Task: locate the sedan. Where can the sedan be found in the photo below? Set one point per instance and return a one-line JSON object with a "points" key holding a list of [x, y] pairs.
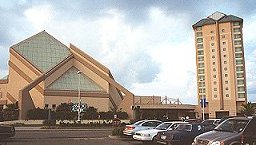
{"points": [[149, 135], [140, 125], [184, 134]]}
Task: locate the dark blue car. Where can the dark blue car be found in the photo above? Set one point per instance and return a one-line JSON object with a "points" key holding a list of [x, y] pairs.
{"points": [[184, 134]]}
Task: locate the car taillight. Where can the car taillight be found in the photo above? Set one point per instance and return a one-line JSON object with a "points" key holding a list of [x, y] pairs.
{"points": [[130, 127], [242, 138]]}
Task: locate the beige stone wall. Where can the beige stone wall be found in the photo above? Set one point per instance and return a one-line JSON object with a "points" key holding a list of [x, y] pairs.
{"points": [[115, 96], [3, 91], [102, 104]]}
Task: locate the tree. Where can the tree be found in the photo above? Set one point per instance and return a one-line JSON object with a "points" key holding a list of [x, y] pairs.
{"points": [[91, 113], [248, 109], [64, 112]]}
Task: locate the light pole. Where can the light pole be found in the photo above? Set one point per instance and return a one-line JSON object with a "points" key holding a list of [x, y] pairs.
{"points": [[79, 99]]}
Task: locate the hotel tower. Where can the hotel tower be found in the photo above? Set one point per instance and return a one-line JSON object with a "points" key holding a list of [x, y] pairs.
{"points": [[221, 79]]}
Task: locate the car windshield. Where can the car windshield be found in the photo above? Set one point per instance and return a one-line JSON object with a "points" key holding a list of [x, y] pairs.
{"points": [[186, 127], [232, 125], [163, 126]]}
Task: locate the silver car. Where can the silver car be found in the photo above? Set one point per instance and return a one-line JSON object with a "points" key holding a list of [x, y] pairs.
{"points": [[140, 125]]}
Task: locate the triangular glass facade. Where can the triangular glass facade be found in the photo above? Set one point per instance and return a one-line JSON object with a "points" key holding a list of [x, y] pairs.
{"points": [[70, 81], [42, 50]]}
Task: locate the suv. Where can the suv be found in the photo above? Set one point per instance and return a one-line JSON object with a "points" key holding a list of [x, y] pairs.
{"points": [[233, 131]]}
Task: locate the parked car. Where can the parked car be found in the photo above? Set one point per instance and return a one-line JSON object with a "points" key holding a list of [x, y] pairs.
{"points": [[149, 135], [183, 134], [140, 125], [6, 131], [210, 124], [233, 131]]}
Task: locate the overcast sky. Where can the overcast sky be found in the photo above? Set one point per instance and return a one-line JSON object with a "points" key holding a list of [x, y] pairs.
{"points": [[147, 44]]}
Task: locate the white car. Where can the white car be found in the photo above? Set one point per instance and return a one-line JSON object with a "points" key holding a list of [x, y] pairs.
{"points": [[140, 125], [148, 135]]}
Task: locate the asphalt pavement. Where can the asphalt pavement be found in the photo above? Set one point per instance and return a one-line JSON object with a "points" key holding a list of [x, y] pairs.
{"points": [[38, 136]]}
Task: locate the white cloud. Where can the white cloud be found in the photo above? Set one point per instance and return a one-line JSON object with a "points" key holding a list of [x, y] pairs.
{"points": [[39, 16]]}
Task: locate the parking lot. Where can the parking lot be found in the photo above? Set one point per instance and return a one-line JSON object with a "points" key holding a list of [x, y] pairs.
{"points": [[66, 137]]}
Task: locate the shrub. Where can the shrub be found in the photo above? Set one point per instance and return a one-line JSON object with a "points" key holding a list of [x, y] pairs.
{"points": [[37, 114], [117, 131]]}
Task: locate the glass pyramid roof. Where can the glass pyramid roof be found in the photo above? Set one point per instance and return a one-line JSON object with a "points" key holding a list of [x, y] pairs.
{"points": [[42, 50], [70, 81]]}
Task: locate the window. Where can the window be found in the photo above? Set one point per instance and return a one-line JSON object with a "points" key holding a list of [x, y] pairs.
{"points": [[226, 82], [198, 28], [201, 58], [236, 24], [214, 76], [238, 55], [241, 95], [212, 44], [237, 42], [239, 68], [201, 84], [236, 29], [199, 34], [225, 68], [226, 75], [214, 69], [238, 62], [237, 36], [199, 40], [201, 65], [240, 89], [201, 71], [200, 52], [213, 56], [240, 82], [151, 123], [212, 38], [0, 94], [238, 49], [240, 75], [225, 55], [213, 63], [222, 36], [223, 30], [213, 50], [224, 49], [215, 89], [202, 90], [46, 106], [224, 43], [215, 96], [214, 82], [226, 88], [227, 95], [225, 62], [201, 78], [212, 32]]}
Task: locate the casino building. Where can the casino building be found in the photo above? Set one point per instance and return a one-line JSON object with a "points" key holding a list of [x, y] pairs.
{"points": [[44, 73]]}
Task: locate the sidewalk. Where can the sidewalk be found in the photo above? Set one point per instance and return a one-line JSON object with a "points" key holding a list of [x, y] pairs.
{"points": [[64, 129]]}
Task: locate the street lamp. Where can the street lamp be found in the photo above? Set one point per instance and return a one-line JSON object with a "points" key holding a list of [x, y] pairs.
{"points": [[79, 98]]}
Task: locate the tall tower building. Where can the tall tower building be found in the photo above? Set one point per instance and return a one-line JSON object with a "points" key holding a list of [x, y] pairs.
{"points": [[220, 64]]}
